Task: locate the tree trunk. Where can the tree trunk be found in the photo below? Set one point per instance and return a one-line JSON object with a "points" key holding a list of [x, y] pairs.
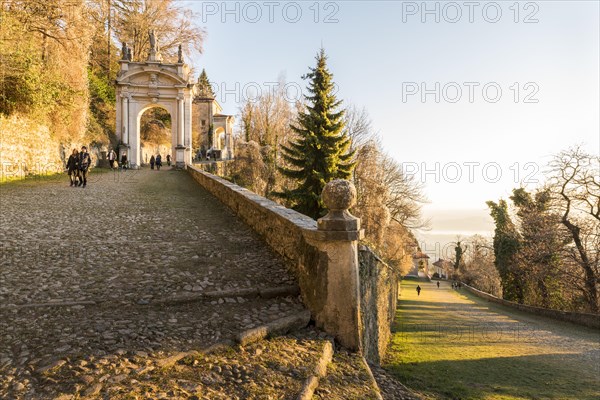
{"points": [[590, 276]]}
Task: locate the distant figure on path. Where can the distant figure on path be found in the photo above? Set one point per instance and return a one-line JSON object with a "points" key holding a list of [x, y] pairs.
{"points": [[418, 290], [438, 284], [152, 162], [84, 164], [73, 168], [124, 161], [112, 157], [169, 160], [158, 162]]}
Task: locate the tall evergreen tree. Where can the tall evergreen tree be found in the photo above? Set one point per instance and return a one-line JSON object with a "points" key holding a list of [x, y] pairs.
{"points": [[321, 151], [506, 247], [204, 86]]}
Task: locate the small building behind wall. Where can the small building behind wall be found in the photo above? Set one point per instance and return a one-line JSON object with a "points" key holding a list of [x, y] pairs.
{"points": [[442, 268], [420, 265], [211, 129]]}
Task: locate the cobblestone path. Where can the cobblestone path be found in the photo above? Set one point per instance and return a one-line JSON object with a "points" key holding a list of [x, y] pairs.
{"points": [[84, 272]]}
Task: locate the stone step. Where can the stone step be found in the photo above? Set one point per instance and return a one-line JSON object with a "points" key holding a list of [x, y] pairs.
{"points": [[348, 377], [277, 367], [245, 293]]}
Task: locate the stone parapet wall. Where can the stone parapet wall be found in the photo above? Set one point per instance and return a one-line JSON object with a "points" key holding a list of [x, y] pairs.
{"points": [[318, 259], [378, 299], [589, 320], [280, 227]]}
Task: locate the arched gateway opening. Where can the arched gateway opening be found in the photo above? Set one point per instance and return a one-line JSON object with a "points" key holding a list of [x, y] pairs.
{"points": [[155, 133], [141, 86]]}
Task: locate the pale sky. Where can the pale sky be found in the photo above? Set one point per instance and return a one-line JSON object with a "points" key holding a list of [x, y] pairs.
{"points": [[384, 53]]}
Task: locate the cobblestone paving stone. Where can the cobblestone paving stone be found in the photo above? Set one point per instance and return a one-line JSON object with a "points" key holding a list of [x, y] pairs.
{"points": [[270, 369], [114, 246]]}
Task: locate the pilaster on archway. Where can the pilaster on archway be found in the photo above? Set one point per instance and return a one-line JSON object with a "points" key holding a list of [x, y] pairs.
{"points": [[143, 85]]}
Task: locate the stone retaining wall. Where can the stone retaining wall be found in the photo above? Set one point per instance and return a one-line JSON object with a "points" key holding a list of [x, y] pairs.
{"points": [[296, 237], [378, 297], [589, 320], [27, 148]]}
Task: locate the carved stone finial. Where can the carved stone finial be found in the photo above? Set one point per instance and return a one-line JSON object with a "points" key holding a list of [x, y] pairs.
{"points": [[152, 37], [339, 195], [180, 55], [124, 51]]}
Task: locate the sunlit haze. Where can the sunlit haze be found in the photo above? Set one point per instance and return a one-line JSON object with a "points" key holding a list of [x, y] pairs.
{"points": [[509, 94]]}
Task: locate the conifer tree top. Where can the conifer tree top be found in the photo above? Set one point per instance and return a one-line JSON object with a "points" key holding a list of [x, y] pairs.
{"points": [[204, 87], [321, 151]]}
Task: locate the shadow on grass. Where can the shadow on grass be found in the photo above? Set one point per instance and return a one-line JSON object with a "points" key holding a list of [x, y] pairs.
{"points": [[548, 376]]}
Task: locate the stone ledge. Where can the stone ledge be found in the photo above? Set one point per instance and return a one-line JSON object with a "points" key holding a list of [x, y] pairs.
{"points": [[334, 236], [278, 327], [312, 382], [584, 319]]}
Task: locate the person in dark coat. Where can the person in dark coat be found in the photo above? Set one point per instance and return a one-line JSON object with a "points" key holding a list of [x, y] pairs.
{"points": [[152, 162], [85, 162], [169, 160], [73, 167], [158, 162], [418, 290], [124, 161]]}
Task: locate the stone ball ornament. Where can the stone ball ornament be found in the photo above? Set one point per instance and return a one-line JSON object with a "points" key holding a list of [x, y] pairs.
{"points": [[339, 195]]}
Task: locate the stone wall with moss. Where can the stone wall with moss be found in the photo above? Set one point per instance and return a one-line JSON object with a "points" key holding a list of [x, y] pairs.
{"points": [[27, 148], [378, 299]]}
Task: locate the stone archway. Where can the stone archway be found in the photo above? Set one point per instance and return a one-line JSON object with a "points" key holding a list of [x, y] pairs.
{"points": [[143, 85]]}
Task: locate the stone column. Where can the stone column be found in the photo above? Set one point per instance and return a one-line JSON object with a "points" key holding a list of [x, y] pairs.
{"points": [[180, 149], [336, 239], [180, 121], [124, 147], [125, 119]]}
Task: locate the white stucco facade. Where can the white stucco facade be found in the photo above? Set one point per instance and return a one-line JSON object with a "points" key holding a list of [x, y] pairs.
{"points": [[144, 85]]}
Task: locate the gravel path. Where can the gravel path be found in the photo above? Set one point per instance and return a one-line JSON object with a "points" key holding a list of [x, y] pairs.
{"points": [[447, 341], [80, 269]]}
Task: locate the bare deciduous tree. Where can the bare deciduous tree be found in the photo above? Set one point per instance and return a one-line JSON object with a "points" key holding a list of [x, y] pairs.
{"points": [[173, 23], [575, 183]]}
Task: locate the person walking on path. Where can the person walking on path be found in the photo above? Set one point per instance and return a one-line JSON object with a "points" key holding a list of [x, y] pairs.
{"points": [[124, 161], [169, 160], [112, 157], [73, 167], [418, 290], [158, 162], [438, 284], [84, 164], [152, 162]]}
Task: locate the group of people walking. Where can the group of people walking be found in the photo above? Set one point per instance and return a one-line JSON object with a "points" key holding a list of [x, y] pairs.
{"points": [[78, 166], [79, 163], [112, 159], [157, 161]]}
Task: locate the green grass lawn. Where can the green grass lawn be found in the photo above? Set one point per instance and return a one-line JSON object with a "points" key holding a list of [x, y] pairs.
{"points": [[450, 345]]}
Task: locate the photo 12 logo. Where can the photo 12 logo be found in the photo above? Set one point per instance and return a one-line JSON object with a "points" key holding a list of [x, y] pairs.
{"points": [[252, 92], [253, 12], [471, 92], [452, 12], [470, 172]]}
